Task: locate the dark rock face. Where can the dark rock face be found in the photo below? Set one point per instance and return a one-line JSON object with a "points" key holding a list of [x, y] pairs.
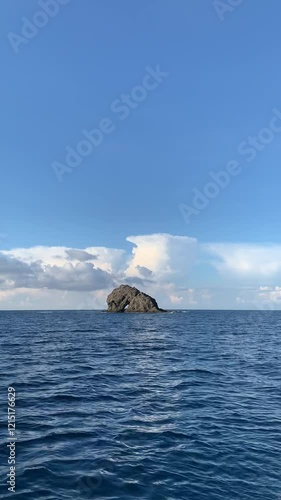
{"points": [[126, 298]]}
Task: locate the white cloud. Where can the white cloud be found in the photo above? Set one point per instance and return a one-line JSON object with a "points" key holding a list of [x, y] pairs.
{"points": [[177, 270], [25, 273], [164, 256], [270, 294], [245, 260], [176, 299], [112, 260], [80, 255]]}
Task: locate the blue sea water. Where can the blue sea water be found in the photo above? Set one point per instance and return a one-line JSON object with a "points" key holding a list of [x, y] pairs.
{"points": [[166, 406]]}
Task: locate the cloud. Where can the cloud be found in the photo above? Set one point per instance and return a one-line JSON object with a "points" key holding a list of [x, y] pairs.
{"points": [[144, 271], [11, 267], [155, 264], [177, 270], [43, 299], [108, 259], [112, 260], [15, 273], [79, 277], [245, 260], [164, 256], [270, 294], [176, 299], [80, 255]]}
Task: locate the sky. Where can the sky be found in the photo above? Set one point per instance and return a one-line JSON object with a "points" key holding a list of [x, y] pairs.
{"points": [[141, 144]]}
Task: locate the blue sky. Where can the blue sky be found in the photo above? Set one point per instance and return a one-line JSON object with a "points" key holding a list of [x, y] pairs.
{"points": [[223, 83]]}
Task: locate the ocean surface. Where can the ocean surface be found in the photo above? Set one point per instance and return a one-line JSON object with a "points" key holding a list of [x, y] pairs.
{"points": [[184, 405]]}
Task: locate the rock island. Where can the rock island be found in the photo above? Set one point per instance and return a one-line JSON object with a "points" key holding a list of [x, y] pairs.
{"points": [[126, 298]]}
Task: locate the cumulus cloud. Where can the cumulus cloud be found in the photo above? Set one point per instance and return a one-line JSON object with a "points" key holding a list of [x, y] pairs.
{"points": [[164, 256], [80, 255], [112, 260], [177, 270], [10, 267], [144, 271], [155, 264], [82, 276]]}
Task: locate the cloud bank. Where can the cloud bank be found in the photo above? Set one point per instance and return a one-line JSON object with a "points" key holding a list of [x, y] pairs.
{"points": [[178, 270]]}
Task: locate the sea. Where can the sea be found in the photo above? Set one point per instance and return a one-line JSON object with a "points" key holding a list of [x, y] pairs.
{"points": [[184, 405]]}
